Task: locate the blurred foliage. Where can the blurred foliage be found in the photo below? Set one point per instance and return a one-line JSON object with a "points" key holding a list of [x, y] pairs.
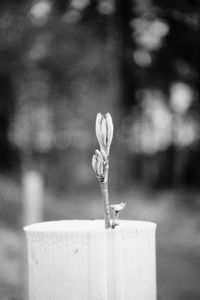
{"points": [[64, 61]]}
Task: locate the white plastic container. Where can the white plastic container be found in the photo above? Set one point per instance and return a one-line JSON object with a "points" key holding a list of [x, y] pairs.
{"points": [[80, 260]]}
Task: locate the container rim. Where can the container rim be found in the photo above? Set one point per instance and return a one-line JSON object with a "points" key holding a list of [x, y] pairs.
{"points": [[87, 225]]}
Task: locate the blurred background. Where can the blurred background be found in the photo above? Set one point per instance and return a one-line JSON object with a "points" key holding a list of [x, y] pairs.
{"points": [[63, 61]]}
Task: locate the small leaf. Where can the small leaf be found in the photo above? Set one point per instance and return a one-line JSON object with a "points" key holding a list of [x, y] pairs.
{"points": [[117, 208]]}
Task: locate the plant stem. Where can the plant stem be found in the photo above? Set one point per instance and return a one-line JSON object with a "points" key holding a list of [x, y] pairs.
{"points": [[115, 217], [105, 198], [113, 222]]}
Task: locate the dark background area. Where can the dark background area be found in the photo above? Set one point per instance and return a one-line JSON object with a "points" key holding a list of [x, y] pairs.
{"points": [[62, 62]]}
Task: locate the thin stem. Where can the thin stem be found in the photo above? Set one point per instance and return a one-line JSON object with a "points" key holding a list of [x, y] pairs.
{"points": [[115, 217], [113, 221], [105, 198]]}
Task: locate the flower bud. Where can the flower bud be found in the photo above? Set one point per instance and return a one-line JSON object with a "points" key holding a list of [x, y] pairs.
{"points": [[97, 163], [104, 133], [94, 163]]}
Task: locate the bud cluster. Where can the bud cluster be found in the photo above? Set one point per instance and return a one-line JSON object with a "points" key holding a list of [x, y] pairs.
{"points": [[100, 163], [104, 132]]}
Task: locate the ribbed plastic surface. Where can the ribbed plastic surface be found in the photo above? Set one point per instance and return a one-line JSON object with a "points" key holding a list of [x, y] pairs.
{"points": [[80, 260]]}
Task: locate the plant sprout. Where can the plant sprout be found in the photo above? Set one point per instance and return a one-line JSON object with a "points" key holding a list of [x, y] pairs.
{"points": [[100, 163], [116, 209]]}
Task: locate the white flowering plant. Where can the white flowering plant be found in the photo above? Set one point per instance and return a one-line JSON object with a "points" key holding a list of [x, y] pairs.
{"points": [[100, 163]]}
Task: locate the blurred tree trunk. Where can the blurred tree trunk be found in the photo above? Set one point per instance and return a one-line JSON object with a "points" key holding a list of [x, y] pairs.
{"points": [[124, 15], [8, 153]]}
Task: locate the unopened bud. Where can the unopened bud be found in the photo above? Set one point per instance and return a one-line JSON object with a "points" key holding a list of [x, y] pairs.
{"points": [[97, 163], [104, 132]]}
